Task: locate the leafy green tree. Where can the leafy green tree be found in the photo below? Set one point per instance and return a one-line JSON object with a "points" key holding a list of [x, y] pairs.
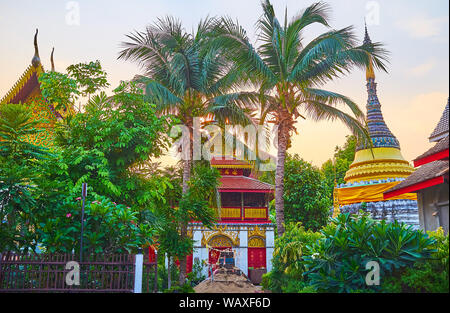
{"points": [[108, 227], [335, 171], [104, 144], [18, 158], [186, 77], [58, 88], [90, 77], [194, 205], [306, 195], [289, 72], [83, 79]]}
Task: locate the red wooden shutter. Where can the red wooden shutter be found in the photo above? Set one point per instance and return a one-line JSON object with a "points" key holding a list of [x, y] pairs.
{"points": [[256, 257]]}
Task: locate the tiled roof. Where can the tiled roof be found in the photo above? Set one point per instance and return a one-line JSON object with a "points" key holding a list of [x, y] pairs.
{"points": [[438, 147], [442, 127], [243, 183], [425, 172]]}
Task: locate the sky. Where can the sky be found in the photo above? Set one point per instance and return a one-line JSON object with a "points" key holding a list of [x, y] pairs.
{"points": [[413, 93]]}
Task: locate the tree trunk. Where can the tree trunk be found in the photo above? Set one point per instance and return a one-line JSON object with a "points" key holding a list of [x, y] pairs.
{"points": [[279, 179], [183, 225]]}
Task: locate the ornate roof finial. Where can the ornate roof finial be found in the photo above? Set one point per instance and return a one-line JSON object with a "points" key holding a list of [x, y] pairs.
{"points": [[370, 74], [51, 60], [366, 35], [35, 61]]}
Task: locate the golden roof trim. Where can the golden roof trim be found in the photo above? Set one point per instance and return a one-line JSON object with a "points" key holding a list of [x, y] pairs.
{"points": [[20, 83]]}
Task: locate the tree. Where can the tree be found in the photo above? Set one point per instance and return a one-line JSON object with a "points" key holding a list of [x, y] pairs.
{"points": [[288, 71], [104, 144], [90, 77], [335, 170], [58, 88], [186, 77], [194, 205], [18, 159], [83, 79]]}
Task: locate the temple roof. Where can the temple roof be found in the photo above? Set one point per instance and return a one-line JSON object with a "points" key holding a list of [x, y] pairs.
{"points": [[441, 129], [425, 173], [27, 82], [241, 183], [441, 146]]}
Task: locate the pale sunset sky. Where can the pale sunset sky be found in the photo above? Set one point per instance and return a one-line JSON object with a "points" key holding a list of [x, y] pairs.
{"points": [[413, 94]]}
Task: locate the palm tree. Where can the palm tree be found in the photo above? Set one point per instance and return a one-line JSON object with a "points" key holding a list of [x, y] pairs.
{"points": [[185, 77], [290, 72]]}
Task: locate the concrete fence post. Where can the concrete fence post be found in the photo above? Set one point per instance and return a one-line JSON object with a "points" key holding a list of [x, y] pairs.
{"points": [[138, 269]]}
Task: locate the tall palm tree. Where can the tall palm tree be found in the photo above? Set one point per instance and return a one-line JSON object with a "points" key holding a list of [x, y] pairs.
{"points": [[185, 77], [290, 72]]}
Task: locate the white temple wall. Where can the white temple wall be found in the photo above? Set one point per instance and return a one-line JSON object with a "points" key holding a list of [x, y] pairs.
{"points": [[202, 254]]}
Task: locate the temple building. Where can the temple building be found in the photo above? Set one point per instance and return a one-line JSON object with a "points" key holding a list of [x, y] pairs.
{"points": [[378, 168], [27, 91], [430, 180], [244, 226]]}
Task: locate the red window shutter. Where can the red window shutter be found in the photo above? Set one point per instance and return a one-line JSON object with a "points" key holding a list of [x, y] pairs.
{"points": [[256, 257]]}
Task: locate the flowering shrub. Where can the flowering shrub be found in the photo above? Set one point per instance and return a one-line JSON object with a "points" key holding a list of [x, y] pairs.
{"points": [[337, 262], [425, 276], [108, 228]]}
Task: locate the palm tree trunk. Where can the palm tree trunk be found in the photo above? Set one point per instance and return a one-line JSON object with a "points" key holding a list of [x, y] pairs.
{"points": [[183, 225], [279, 179]]}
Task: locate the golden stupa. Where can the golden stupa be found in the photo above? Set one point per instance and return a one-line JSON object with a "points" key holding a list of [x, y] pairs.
{"points": [[376, 169]]}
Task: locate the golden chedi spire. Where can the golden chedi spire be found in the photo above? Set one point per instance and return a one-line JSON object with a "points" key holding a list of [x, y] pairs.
{"points": [[369, 71], [384, 160]]}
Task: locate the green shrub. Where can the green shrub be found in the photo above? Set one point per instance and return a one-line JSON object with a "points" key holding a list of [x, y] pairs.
{"points": [[287, 263], [337, 262], [186, 288], [426, 275], [196, 276]]}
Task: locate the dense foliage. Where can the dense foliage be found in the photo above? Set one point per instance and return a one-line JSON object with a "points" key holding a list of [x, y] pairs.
{"points": [[335, 170], [335, 259], [307, 198], [108, 227], [18, 159], [429, 276], [103, 146], [287, 262], [338, 262]]}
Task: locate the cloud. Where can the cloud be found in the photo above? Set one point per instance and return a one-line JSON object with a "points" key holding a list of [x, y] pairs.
{"points": [[423, 27], [423, 68]]}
